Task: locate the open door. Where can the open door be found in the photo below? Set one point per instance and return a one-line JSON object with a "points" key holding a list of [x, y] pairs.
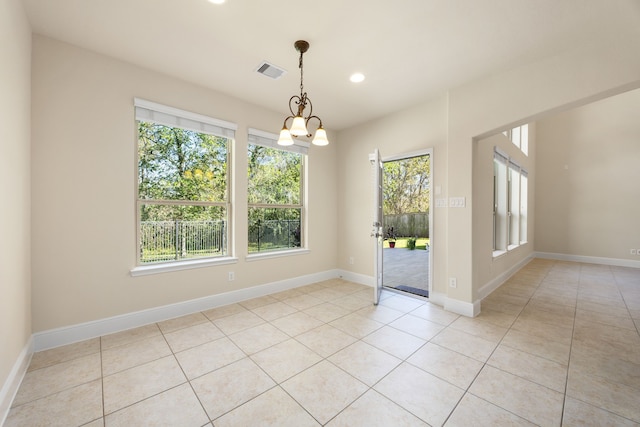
{"points": [[377, 232]]}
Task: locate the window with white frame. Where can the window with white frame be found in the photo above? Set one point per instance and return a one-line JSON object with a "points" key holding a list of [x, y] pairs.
{"points": [[275, 194], [183, 198], [510, 193], [519, 136]]}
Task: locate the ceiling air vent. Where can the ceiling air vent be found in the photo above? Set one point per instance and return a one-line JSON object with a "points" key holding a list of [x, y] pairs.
{"points": [[270, 70]]}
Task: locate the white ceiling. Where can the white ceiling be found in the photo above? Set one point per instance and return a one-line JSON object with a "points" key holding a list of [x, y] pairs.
{"points": [[409, 50]]}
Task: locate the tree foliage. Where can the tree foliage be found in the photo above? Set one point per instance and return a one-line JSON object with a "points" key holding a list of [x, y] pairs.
{"points": [[406, 185], [274, 176], [177, 164]]}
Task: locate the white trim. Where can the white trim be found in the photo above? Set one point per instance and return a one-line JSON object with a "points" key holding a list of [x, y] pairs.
{"points": [[589, 259], [276, 254], [496, 282], [455, 306], [268, 139], [361, 279], [71, 334], [13, 381], [438, 298], [176, 112], [165, 267], [464, 308]]}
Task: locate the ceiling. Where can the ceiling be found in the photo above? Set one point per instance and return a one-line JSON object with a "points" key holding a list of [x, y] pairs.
{"points": [[409, 50]]}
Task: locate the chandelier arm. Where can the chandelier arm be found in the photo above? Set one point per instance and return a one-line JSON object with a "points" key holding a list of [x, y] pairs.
{"points": [[284, 124], [298, 101]]}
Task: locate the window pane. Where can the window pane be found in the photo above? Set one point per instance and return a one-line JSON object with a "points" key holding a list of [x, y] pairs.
{"points": [[180, 164], [175, 232], [274, 176], [515, 136], [514, 206], [274, 228], [523, 207], [524, 144], [500, 205]]}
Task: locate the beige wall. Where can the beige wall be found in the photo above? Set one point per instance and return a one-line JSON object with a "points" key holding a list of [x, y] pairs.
{"points": [[411, 130], [452, 125], [15, 101], [588, 199], [84, 183]]}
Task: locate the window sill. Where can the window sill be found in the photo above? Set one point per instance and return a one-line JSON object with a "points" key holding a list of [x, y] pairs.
{"points": [[497, 254], [144, 270], [276, 254]]}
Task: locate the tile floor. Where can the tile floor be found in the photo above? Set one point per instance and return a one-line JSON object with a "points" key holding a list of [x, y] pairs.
{"points": [[557, 344]]}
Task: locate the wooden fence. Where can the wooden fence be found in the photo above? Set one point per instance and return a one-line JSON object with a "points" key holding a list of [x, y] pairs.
{"points": [[409, 224]]}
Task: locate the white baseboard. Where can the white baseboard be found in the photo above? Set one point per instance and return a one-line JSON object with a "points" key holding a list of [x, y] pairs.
{"points": [[494, 284], [71, 334], [455, 306], [464, 308], [589, 259], [357, 278], [12, 384]]}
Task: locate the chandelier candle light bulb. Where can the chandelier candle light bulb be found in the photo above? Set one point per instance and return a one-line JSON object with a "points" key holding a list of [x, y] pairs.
{"points": [[301, 102]]}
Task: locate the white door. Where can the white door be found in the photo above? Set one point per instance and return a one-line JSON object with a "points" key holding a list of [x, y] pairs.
{"points": [[377, 232]]}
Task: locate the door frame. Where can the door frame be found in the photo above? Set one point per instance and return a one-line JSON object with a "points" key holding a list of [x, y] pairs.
{"points": [[419, 153]]}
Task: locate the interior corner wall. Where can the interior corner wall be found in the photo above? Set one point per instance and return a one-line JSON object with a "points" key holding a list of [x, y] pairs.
{"points": [[490, 272], [84, 178], [15, 209], [516, 96], [588, 200]]}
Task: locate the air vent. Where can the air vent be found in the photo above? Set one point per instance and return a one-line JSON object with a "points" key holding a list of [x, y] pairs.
{"points": [[270, 70]]}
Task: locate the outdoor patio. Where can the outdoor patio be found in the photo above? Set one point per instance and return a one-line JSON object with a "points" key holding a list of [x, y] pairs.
{"points": [[404, 267]]}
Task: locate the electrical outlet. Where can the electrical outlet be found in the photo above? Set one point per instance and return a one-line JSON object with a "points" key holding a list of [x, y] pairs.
{"points": [[453, 283], [351, 260], [232, 276], [633, 251], [638, 251]]}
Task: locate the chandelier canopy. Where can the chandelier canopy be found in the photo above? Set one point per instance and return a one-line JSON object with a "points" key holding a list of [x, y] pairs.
{"points": [[299, 103]]}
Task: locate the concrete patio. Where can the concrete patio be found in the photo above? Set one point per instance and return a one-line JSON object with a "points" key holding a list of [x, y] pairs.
{"points": [[402, 266]]}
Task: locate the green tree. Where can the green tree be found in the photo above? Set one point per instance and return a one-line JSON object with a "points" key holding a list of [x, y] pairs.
{"points": [[406, 185], [177, 164]]}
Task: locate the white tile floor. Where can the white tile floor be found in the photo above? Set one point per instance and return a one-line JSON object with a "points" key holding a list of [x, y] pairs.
{"points": [[557, 344]]}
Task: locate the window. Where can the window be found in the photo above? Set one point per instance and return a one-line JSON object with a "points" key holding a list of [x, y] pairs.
{"points": [[275, 194], [500, 210], [510, 192], [183, 184], [519, 136]]}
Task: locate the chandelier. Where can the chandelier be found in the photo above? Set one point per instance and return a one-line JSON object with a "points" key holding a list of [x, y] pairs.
{"points": [[300, 102]]}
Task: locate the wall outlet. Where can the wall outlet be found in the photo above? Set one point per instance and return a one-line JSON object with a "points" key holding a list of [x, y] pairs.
{"points": [[232, 276], [351, 260], [453, 283], [638, 252], [633, 251]]}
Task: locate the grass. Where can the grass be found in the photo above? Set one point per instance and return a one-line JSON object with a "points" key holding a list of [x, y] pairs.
{"points": [[401, 243]]}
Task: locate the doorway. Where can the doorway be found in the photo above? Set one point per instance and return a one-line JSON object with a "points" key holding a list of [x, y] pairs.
{"points": [[407, 223]]}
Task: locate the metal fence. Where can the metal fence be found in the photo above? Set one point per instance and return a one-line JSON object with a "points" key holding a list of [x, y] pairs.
{"points": [[175, 240], [267, 235]]}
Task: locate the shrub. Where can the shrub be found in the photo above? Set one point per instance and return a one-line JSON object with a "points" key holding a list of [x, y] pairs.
{"points": [[411, 243]]}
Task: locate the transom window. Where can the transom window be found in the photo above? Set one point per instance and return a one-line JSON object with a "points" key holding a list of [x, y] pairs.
{"points": [[275, 194], [183, 184], [519, 136]]}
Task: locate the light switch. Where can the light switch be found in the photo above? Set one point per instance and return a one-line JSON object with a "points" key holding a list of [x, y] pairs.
{"points": [[457, 202], [441, 203]]}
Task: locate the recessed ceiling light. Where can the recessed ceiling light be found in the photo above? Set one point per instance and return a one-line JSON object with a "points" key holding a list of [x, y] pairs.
{"points": [[356, 77], [217, 1]]}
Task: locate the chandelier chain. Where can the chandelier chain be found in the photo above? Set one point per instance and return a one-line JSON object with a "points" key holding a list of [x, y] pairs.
{"points": [[301, 71]]}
